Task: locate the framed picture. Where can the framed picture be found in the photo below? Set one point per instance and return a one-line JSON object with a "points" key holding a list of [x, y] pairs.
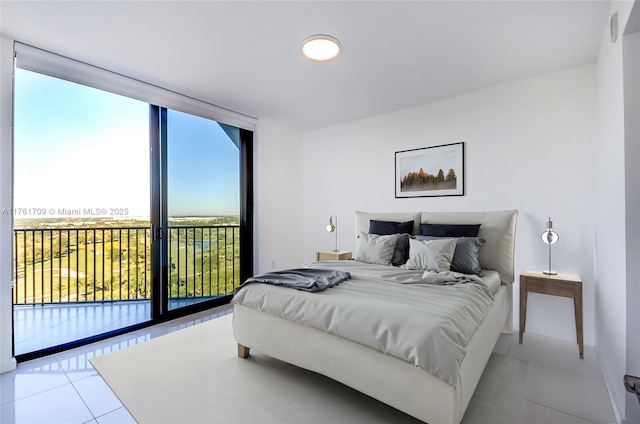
{"points": [[430, 171]]}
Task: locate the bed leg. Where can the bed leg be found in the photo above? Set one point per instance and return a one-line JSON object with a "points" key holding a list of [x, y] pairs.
{"points": [[243, 351]]}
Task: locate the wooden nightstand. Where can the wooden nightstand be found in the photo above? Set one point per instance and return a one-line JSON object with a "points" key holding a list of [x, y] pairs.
{"points": [[565, 285], [330, 255]]}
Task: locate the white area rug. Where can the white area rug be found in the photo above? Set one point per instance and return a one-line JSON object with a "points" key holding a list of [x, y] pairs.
{"points": [[195, 376]]}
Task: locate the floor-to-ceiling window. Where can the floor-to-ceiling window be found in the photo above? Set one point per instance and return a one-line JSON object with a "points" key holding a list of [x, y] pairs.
{"points": [[81, 211], [203, 209], [125, 210]]}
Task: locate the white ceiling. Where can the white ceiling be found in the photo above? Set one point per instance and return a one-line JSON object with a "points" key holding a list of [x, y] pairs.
{"points": [[245, 56]]}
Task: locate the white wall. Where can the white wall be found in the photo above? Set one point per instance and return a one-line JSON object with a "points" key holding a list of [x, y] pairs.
{"points": [[7, 362], [529, 146], [278, 195], [632, 189], [610, 258]]}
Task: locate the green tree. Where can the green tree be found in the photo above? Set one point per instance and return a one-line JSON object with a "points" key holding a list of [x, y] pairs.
{"points": [[451, 175]]}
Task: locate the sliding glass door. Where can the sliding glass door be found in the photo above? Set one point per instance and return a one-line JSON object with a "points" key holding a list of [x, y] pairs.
{"points": [[80, 212], [202, 209], [124, 212]]}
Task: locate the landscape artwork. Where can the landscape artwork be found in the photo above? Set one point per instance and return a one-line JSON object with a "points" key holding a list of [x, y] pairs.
{"points": [[430, 171]]}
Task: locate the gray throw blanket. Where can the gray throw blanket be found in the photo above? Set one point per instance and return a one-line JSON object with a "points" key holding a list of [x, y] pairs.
{"points": [[305, 279]]}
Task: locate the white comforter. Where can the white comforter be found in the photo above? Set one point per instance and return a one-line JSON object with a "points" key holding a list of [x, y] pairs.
{"points": [[387, 309]]}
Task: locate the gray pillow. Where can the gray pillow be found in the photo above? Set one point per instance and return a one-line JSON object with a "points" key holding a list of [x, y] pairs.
{"points": [[403, 229], [466, 258], [375, 249], [401, 253], [432, 255]]}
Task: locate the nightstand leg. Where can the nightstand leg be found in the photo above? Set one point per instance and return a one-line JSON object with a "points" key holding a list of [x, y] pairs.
{"points": [[523, 306], [577, 306]]}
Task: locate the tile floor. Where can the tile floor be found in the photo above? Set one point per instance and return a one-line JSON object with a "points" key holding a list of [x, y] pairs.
{"points": [[64, 388], [561, 387]]}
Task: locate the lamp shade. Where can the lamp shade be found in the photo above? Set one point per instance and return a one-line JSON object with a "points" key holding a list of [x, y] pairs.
{"points": [[332, 227]]}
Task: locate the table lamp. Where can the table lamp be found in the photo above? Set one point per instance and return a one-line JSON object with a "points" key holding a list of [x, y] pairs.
{"points": [[333, 228], [550, 237]]}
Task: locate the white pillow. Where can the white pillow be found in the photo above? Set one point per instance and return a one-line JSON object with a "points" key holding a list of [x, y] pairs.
{"points": [[432, 255], [375, 249]]}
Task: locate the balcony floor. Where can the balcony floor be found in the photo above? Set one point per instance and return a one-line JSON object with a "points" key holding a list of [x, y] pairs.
{"points": [[41, 326]]}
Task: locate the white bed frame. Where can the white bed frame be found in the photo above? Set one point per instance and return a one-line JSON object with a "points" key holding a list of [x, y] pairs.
{"points": [[390, 380]]}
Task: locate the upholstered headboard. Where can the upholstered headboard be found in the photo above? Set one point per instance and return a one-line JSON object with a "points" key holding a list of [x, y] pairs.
{"points": [[498, 228]]}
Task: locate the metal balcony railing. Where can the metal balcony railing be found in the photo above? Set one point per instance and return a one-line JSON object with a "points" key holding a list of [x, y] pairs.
{"points": [[113, 263]]}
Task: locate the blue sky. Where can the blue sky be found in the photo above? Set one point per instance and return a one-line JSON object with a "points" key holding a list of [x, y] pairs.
{"points": [[430, 160], [77, 147], [203, 167]]}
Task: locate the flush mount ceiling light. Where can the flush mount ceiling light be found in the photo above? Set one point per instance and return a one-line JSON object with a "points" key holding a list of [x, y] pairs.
{"points": [[321, 48]]}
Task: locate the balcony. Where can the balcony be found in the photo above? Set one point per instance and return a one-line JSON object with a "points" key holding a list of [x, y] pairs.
{"points": [[76, 282]]}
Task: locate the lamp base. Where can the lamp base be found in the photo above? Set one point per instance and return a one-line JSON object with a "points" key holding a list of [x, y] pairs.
{"points": [[550, 272]]}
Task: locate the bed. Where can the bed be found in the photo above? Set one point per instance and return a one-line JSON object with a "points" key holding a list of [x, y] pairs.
{"points": [[404, 381]]}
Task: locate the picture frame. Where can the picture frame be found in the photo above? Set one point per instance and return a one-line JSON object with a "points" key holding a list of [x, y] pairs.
{"points": [[430, 171]]}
